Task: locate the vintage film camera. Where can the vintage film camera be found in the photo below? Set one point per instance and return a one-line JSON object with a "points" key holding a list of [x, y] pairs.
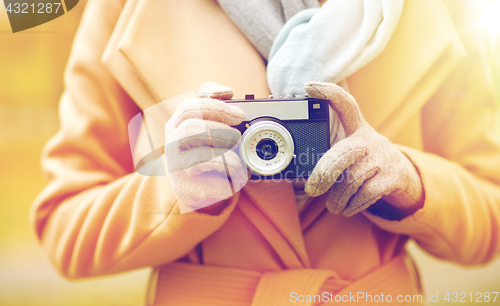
{"points": [[284, 137]]}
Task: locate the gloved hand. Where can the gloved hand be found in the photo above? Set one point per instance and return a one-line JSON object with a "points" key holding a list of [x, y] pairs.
{"points": [[364, 167], [199, 144]]}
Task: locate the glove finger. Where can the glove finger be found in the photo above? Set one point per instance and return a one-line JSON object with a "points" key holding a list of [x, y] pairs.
{"points": [[371, 191], [195, 132], [343, 103], [206, 159], [190, 158], [209, 181], [210, 110], [224, 161], [196, 192], [215, 91], [348, 185], [332, 165]]}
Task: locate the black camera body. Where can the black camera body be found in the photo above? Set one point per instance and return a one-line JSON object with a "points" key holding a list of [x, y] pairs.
{"points": [[283, 138]]}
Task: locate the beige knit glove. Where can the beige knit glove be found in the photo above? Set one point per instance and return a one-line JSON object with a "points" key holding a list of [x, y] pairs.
{"points": [[364, 167], [199, 149]]}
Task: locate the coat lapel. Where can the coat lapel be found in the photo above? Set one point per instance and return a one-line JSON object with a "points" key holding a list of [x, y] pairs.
{"points": [[119, 66], [422, 52], [175, 46], [276, 201]]}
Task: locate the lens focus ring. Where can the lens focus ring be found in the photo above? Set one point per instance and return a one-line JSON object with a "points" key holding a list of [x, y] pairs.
{"points": [[267, 147]]}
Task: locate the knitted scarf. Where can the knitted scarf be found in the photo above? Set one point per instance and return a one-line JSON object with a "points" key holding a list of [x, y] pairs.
{"points": [[303, 42]]}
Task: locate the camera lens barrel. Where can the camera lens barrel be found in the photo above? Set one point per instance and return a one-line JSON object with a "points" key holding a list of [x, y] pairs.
{"points": [[267, 147]]}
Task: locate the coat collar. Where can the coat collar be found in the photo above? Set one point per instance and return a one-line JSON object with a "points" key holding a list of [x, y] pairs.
{"points": [[175, 46], [416, 61], [119, 65]]}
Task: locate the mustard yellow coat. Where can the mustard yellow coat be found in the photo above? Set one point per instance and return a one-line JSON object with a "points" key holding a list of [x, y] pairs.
{"points": [[430, 91]]}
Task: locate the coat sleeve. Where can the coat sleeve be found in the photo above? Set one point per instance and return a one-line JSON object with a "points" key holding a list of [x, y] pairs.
{"points": [[460, 170], [97, 215]]}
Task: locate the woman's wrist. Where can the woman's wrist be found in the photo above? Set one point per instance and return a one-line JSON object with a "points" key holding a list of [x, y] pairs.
{"points": [[386, 210]]}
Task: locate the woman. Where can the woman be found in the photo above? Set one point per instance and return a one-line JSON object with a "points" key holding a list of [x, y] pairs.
{"points": [[428, 91]]}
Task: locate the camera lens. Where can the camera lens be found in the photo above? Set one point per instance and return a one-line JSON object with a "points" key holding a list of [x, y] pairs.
{"points": [[267, 149]]}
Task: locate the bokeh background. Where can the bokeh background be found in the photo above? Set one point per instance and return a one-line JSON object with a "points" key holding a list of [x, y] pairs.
{"points": [[32, 63]]}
